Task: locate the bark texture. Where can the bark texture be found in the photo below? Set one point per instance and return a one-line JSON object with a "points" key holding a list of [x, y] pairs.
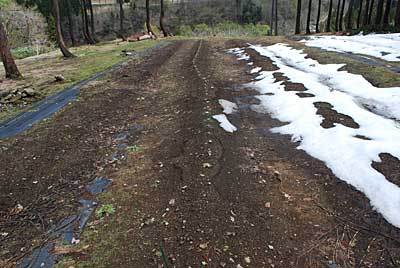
{"points": [[60, 40], [6, 57]]}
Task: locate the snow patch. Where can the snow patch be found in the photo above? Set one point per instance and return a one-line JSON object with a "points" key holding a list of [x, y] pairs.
{"points": [[255, 70], [229, 107], [348, 157], [383, 46], [224, 123]]}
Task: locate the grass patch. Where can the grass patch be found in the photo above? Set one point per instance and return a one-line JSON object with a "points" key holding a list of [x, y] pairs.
{"points": [[94, 59], [39, 72]]}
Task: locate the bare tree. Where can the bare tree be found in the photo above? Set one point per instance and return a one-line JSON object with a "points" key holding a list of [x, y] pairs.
{"points": [[371, 8], [341, 16], [6, 57], [239, 11], [318, 16], [70, 23], [148, 21], [308, 31], [328, 20], [359, 14], [379, 12], [56, 13], [91, 17], [276, 17], [271, 26], [337, 16], [365, 18], [349, 24], [85, 23], [162, 14], [121, 20], [298, 17], [387, 13], [397, 17]]}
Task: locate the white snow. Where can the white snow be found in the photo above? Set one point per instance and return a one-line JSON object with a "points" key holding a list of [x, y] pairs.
{"points": [[255, 70], [384, 46], [224, 123], [229, 107], [347, 156]]}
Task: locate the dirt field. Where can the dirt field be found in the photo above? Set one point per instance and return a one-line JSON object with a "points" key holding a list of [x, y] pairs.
{"points": [[185, 192]]}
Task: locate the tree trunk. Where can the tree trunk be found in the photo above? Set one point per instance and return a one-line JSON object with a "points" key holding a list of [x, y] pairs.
{"points": [[397, 17], [349, 24], [298, 17], [318, 16], [5, 55], [308, 30], [71, 24], [359, 14], [379, 12], [387, 13], [271, 26], [341, 15], [148, 22], [85, 25], [276, 17], [91, 17], [85, 35], [328, 20], [365, 18], [121, 20], [371, 8], [56, 13], [337, 16], [162, 14]]}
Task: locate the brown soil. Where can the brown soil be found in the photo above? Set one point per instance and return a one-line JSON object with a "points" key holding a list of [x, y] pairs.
{"points": [[197, 195], [332, 117]]}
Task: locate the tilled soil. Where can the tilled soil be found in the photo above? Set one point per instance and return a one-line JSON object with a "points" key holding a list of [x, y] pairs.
{"points": [[189, 194]]}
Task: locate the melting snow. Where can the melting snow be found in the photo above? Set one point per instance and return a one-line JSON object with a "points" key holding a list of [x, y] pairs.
{"points": [[347, 156], [384, 46], [229, 107], [224, 123]]}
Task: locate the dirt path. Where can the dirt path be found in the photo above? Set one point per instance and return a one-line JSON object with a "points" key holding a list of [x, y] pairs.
{"points": [[186, 193]]}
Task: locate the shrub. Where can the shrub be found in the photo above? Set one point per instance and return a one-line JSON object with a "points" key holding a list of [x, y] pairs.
{"points": [[225, 28], [201, 28], [24, 52], [185, 30]]}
